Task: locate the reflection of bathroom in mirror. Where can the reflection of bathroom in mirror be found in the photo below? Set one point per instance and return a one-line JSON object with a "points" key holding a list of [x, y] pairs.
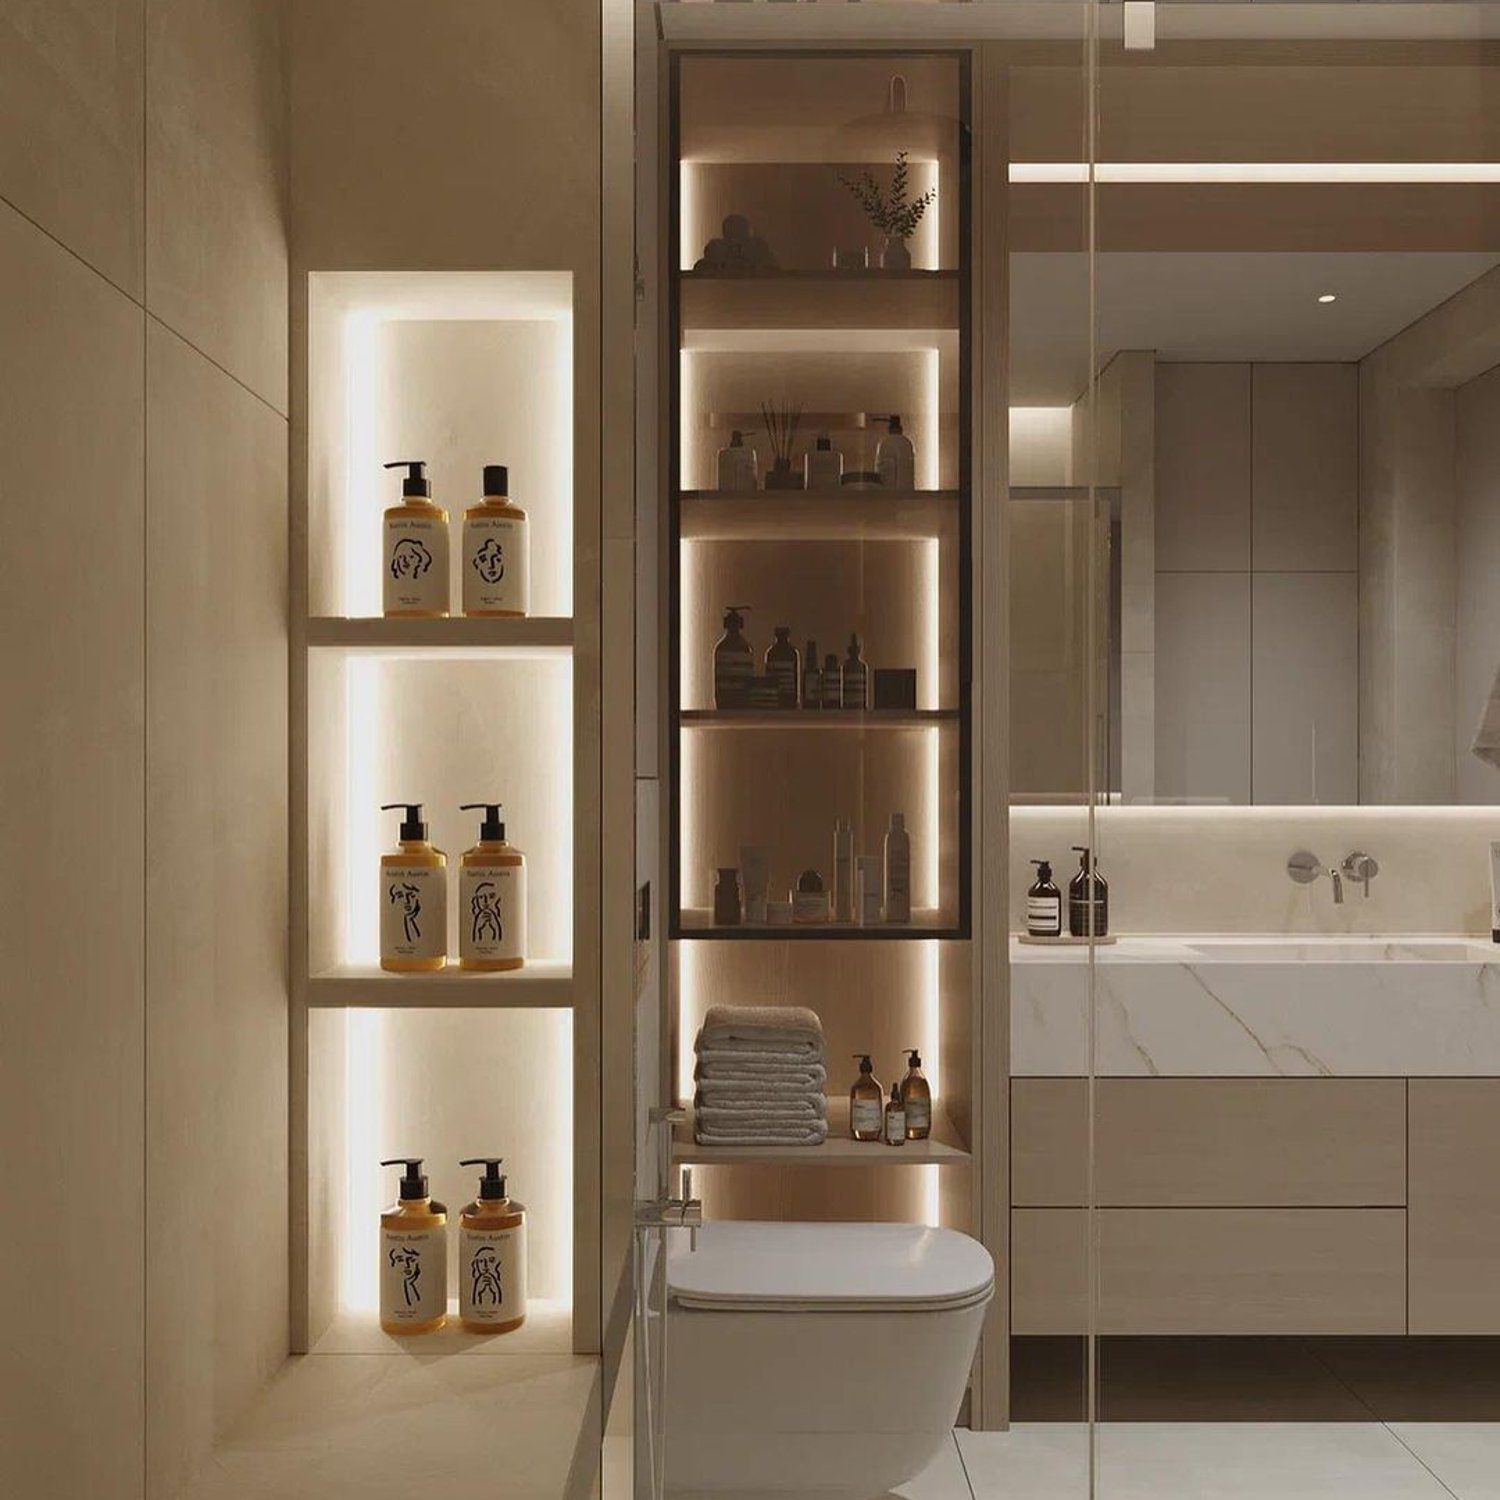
{"points": [[1295, 524]]}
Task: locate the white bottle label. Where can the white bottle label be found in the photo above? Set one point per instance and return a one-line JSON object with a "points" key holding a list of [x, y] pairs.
{"points": [[491, 911], [919, 1114], [413, 911], [413, 1274], [734, 671], [497, 565], [1044, 916], [895, 1126], [865, 1116], [492, 1274], [416, 564]]}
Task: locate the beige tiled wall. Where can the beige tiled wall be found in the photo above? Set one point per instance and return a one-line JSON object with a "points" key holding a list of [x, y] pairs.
{"points": [[143, 299]]}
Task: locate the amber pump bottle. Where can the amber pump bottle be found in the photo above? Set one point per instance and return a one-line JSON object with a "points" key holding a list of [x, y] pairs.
{"points": [[916, 1096], [413, 898], [894, 1133], [414, 552], [497, 555], [413, 1256], [866, 1102], [491, 897], [491, 1254]]}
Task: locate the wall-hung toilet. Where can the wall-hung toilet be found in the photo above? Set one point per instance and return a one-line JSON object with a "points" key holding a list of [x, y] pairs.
{"points": [[825, 1359]]}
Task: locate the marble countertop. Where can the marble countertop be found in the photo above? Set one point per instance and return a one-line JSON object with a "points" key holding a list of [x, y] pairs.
{"points": [[1242, 1005]]}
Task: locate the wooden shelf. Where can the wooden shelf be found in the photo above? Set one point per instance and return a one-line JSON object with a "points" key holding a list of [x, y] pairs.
{"points": [[548, 1329], [538, 636], [695, 924], [1110, 493], [819, 515], [843, 302], [817, 718], [839, 1150], [543, 985]]}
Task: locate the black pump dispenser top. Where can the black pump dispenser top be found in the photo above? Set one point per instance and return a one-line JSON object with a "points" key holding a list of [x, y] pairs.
{"points": [[1043, 871], [416, 481], [492, 1184], [736, 439], [865, 1065], [914, 1059], [496, 481], [1087, 862], [413, 1179], [413, 829], [825, 444], [491, 831], [734, 617], [895, 423]]}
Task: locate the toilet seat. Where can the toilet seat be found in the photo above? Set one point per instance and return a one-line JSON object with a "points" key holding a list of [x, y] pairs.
{"points": [[743, 1266]]}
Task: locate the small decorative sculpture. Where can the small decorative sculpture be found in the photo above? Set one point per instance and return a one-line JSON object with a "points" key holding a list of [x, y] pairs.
{"points": [[737, 249]]}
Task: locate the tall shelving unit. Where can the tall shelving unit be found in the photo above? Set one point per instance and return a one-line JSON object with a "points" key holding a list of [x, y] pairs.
{"points": [[764, 133], [459, 369]]}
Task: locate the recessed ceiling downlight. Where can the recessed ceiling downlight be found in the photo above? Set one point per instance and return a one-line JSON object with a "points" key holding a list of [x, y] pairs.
{"points": [[1327, 297]]}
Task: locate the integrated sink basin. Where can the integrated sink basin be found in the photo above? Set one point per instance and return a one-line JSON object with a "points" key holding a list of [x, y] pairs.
{"points": [[1247, 1006], [1339, 950]]}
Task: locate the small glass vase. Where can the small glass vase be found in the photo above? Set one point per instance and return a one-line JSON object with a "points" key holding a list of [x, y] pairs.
{"points": [[895, 256]]}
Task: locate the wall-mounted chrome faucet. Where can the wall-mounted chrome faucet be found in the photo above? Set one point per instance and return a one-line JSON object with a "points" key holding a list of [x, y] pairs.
{"points": [[1305, 867]]}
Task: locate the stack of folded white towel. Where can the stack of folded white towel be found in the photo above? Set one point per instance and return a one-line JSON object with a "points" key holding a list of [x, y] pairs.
{"points": [[760, 1077]]}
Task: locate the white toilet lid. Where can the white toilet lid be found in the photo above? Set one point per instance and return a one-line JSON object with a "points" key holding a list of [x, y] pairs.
{"points": [[829, 1268]]}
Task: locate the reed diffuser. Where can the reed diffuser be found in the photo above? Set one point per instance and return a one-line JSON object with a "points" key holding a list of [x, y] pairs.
{"points": [[781, 428]]}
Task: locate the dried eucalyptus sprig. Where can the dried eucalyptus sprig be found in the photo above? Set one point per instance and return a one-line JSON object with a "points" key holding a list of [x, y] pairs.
{"points": [[889, 209], [781, 427]]}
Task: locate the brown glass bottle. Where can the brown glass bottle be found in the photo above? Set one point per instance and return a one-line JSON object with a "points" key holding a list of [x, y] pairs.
{"points": [[916, 1096], [866, 1103]]}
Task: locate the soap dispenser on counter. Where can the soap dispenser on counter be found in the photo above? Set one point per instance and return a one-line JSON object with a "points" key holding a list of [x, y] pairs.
{"points": [[414, 557], [1088, 898], [491, 1254], [1043, 904], [497, 557], [413, 1256], [413, 898], [491, 897]]}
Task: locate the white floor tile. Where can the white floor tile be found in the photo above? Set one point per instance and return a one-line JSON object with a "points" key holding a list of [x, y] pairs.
{"points": [[943, 1479], [1464, 1455], [1198, 1461]]}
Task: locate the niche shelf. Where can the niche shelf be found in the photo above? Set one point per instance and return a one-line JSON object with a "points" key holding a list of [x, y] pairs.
{"points": [[816, 515], [832, 301], [815, 719], [460, 370], [940, 1149]]}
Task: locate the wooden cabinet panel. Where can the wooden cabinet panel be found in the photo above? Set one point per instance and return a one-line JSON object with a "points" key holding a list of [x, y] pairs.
{"points": [[1455, 1205], [1206, 1142], [1212, 1271]]}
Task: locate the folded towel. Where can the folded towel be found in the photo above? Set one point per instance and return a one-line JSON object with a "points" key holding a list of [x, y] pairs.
{"points": [[812, 1075], [814, 1133], [1487, 736], [759, 1088], [812, 1107], [791, 1029]]}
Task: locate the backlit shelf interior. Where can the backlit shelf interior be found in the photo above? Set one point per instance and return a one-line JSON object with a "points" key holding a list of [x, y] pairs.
{"points": [[820, 515], [543, 984], [533, 637], [791, 719], [941, 1149], [697, 924]]}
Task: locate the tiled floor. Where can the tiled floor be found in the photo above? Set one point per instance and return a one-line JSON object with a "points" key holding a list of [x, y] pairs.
{"points": [[1220, 1461], [1241, 1419]]}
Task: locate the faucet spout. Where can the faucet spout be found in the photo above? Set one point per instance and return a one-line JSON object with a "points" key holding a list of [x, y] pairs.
{"points": [[1338, 885]]}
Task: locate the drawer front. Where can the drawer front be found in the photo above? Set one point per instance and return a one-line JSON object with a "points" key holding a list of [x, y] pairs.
{"points": [[1209, 1142], [1212, 1271], [1455, 1205]]}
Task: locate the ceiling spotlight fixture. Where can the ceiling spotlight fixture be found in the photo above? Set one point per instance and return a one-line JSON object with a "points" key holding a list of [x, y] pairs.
{"points": [[1329, 297]]}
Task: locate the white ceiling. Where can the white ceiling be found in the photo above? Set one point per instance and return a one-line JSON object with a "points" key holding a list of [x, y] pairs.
{"points": [[1232, 305]]}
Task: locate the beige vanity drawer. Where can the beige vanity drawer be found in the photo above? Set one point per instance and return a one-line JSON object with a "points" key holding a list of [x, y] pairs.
{"points": [[1212, 1271], [1206, 1142]]}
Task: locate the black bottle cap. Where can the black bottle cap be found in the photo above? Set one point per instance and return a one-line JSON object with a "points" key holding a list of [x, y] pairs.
{"points": [[865, 1065], [1043, 870], [497, 481], [413, 1180], [895, 1093], [913, 1058], [416, 481], [783, 632], [413, 829], [492, 1184], [825, 444], [895, 422], [491, 831]]}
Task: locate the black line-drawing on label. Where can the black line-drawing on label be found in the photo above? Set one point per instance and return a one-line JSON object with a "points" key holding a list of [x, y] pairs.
{"points": [[489, 561], [407, 897], [410, 1262], [484, 1278], [410, 558], [484, 913]]}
